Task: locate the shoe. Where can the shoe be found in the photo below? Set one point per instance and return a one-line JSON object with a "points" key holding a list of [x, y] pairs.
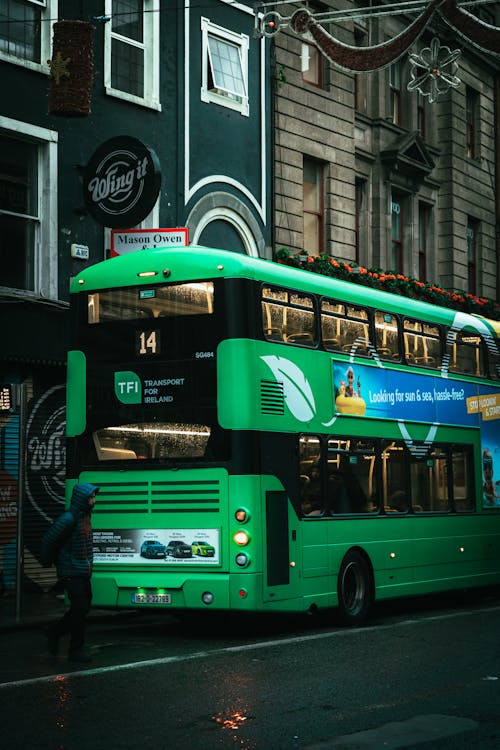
{"points": [[80, 655], [52, 642]]}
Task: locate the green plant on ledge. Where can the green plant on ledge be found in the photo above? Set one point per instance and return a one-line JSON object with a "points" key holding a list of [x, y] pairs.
{"points": [[389, 281]]}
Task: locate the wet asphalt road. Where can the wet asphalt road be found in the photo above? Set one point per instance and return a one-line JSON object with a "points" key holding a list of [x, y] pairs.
{"points": [[420, 674]]}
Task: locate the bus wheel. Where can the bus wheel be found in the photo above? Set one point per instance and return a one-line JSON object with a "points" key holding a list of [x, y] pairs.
{"points": [[355, 588]]}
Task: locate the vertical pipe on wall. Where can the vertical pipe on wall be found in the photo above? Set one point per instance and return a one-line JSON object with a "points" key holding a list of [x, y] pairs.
{"points": [[497, 181], [21, 402]]}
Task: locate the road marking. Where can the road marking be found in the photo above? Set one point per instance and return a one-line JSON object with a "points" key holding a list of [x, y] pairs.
{"points": [[341, 633]]}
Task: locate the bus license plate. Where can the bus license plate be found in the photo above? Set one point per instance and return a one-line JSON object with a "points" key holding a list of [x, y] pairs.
{"points": [[151, 599]]}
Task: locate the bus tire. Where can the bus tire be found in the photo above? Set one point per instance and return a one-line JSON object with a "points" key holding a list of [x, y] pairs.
{"points": [[354, 588]]}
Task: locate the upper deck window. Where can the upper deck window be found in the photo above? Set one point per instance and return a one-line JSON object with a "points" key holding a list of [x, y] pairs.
{"points": [[344, 328], [467, 354], [288, 316], [386, 335], [138, 303], [422, 344]]}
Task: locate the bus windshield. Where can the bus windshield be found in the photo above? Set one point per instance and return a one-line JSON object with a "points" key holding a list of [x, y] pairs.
{"points": [[140, 303]]}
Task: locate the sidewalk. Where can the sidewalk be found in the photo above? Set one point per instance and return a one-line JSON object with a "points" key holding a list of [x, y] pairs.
{"points": [[38, 608]]}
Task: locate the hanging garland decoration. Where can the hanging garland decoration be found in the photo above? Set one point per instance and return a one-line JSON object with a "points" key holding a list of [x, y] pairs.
{"points": [[364, 59], [361, 59], [481, 34], [71, 69]]}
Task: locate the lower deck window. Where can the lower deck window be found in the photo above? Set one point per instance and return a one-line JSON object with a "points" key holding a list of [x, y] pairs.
{"points": [[346, 476], [151, 441]]}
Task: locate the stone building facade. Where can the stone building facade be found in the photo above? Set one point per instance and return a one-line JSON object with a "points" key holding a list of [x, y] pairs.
{"points": [[369, 171]]}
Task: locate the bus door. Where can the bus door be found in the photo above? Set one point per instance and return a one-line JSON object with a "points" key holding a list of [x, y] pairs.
{"points": [[281, 572]]}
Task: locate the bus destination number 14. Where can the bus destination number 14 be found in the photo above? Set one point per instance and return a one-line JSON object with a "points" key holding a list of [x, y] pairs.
{"points": [[147, 342]]}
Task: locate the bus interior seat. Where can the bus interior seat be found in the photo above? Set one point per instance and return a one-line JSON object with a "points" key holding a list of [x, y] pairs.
{"points": [[112, 454], [331, 343], [300, 338], [274, 334]]}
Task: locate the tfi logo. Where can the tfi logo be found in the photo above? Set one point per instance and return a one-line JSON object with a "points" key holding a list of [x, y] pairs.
{"points": [[128, 387]]}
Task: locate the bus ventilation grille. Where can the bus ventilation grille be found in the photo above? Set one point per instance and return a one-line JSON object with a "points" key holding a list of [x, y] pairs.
{"points": [[159, 496], [272, 397]]}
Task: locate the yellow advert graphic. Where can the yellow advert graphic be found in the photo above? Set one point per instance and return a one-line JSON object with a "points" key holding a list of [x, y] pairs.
{"points": [[488, 405]]}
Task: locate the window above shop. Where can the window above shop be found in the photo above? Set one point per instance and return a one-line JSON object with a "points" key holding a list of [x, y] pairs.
{"points": [[26, 31], [132, 48], [224, 67], [28, 208]]}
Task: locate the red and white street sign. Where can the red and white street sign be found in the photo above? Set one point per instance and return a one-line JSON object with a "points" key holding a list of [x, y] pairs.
{"points": [[129, 240]]}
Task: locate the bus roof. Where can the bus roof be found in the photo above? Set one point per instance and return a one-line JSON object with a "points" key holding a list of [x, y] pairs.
{"points": [[194, 262]]}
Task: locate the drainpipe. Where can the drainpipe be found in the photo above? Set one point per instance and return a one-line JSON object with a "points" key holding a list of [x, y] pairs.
{"points": [[497, 182], [21, 401]]}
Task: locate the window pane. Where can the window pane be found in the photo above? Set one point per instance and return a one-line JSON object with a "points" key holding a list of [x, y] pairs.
{"points": [[18, 197], [311, 232], [312, 192], [394, 472], [156, 440], [351, 481], [157, 302], [226, 66], [127, 68], [429, 482], [463, 484], [312, 62], [386, 335], [311, 494], [127, 19], [20, 29], [17, 243]]}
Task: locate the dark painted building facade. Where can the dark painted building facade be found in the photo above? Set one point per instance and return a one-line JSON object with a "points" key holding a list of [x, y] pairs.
{"points": [[176, 135]]}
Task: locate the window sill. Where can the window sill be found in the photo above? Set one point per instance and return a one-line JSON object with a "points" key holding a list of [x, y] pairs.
{"points": [[148, 103], [28, 64]]}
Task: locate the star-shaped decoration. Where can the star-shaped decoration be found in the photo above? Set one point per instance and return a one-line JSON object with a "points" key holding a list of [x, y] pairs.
{"points": [[59, 68], [435, 80]]}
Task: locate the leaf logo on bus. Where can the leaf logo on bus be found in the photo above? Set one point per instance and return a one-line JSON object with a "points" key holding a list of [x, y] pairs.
{"points": [[296, 389]]}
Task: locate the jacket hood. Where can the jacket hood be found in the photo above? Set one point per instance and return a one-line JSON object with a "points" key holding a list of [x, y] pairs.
{"points": [[81, 495]]}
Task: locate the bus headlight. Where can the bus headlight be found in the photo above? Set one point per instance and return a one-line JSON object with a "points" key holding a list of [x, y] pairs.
{"points": [[241, 538], [207, 597], [242, 560]]}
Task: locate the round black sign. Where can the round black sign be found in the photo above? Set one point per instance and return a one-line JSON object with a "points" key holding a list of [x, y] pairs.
{"points": [[121, 182]]}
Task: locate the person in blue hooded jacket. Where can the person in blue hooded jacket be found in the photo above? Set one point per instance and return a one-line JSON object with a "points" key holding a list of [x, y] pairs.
{"points": [[74, 568]]}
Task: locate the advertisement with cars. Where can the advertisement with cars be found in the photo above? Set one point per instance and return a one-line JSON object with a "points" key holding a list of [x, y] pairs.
{"points": [[157, 546]]}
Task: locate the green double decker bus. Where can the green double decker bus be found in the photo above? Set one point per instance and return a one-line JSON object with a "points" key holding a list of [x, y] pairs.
{"points": [[268, 439]]}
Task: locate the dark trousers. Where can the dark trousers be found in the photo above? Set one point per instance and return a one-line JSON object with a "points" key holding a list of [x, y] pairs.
{"points": [[79, 591]]}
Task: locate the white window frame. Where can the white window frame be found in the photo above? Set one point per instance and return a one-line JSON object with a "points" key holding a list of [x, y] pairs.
{"points": [[242, 42], [49, 13], [45, 280], [151, 48]]}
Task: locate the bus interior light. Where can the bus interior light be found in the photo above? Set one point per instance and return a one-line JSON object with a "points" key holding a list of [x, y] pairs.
{"points": [[242, 560], [241, 538], [207, 597]]}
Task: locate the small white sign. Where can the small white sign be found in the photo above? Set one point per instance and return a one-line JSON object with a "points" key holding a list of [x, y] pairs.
{"points": [[129, 240], [80, 251]]}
